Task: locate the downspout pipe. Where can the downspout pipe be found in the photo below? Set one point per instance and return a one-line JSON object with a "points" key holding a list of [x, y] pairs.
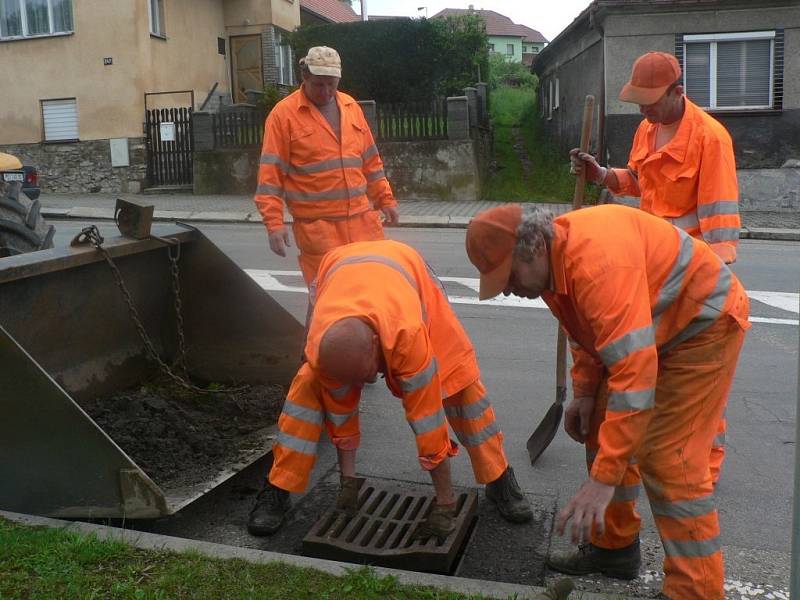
{"points": [[594, 23], [794, 577]]}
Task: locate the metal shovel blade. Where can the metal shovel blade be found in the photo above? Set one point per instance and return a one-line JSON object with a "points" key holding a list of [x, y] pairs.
{"points": [[546, 431]]}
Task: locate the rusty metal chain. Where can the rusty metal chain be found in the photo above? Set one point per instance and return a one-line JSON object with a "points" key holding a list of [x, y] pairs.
{"points": [[91, 235]]}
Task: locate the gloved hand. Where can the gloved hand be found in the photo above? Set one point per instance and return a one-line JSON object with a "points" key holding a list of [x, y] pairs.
{"points": [[347, 500], [440, 523], [560, 590], [580, 161]]}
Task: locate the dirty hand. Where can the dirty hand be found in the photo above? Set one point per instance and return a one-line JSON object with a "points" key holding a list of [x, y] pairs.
{"points": [[577, 417], [278, 240], [587, 507], [347, 500], [580, 161], [390, 216]]}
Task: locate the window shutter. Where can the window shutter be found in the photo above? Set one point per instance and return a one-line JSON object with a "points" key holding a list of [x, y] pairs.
{"points": [[777, 92], [743, 73], [60, 119], [697, 73]]}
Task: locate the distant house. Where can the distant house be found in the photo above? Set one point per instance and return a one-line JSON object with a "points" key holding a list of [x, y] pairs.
{"points": [[505, 37], [319, 12], [740, 60]]}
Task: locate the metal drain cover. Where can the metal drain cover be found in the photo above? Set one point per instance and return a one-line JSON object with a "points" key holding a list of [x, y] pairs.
{"points": [[380, 533]]}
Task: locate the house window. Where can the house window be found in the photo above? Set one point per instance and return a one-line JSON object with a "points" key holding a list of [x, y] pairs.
{"points": [[556, 96], [550, 100], [60, 119], [156, 10], [730, 70], [283, 59], [29, 18], [491, 47], [535, 49], [509, 49]]}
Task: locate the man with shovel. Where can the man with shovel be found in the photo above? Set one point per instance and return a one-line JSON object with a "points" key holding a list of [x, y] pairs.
{"points": [[656, 322], [681, 167], [378, 308]]}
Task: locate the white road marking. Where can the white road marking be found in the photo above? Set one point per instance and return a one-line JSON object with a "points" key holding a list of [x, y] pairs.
{"points": [[268, 279]]}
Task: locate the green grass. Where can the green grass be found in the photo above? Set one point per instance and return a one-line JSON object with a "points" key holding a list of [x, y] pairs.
{"points": [[43, 563], [549, 179]]}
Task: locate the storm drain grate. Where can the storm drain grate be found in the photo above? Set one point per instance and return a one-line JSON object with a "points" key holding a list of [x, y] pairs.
{"points": [[380, 533]]}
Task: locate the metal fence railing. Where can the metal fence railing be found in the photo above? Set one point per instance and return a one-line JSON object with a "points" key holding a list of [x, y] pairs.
{"points": [[238, 128]]}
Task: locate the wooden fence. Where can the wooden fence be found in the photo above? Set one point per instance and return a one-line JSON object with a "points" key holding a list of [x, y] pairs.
{"points": [[238, 128], [410, 121]]}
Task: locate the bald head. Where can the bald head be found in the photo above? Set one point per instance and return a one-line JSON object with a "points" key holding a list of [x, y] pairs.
{"points": [[349, 352]]}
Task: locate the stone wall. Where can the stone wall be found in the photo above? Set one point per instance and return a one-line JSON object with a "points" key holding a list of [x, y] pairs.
{"points": [[226, 171], [84, 167]]}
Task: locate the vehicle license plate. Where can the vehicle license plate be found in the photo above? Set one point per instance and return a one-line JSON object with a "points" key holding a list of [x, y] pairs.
{"points": [[13, 177]]}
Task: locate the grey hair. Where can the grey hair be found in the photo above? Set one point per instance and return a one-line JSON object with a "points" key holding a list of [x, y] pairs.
{"points": [[535, 232]]}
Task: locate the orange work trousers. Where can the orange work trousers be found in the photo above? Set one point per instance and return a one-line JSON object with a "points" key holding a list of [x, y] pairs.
{"points": [[469, 413], [315, 237], [694, 380]]}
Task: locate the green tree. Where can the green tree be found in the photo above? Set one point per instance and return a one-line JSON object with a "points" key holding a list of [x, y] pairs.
{"points": [[514, 74]]}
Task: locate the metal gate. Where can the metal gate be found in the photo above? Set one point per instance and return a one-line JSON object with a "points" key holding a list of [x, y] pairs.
{"points": [[169, 146]]}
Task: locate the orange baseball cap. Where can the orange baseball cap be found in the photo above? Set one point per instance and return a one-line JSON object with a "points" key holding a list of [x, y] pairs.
{"points": [[651, 75], [491, 237]]}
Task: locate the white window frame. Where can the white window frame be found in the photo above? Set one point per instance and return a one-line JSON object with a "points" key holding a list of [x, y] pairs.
{"points": [[51, 24], [279, 62], [74, 138], [711, 39], [509, 49], [556, 102], [550, 99], [156, 25]]}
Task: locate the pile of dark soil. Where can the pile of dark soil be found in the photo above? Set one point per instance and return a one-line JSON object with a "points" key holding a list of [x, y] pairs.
{"points": [[182, 437]]}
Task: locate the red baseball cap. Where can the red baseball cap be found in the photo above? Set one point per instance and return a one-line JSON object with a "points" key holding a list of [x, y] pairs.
{"points": [[491, 237], [651, 75]]}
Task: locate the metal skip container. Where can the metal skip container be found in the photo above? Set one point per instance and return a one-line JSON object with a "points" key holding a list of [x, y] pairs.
{"points": [[66, 334]]}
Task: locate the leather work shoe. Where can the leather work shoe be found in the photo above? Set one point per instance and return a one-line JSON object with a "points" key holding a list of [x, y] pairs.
{"points": [[347, 500], [506, 494], [622, 563], [269, 510], [440, 523]]}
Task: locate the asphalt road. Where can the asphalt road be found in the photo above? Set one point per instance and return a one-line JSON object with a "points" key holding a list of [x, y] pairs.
{"points": [[515, 346]]}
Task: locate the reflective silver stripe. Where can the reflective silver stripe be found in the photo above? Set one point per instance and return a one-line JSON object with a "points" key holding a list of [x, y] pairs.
{"points": [[629, 343], [687, 221], [303, 413], [672, 285], [573, 344], [421, 379], [376, 175], [470, 440], [691, 548], [340, 419], [591, 454], [626, 493], [719, 441], [297, 444], [684, 508], [266, 189], [623, 401], [710, 310], [327, 165], [374, 258], [721, 234], [369, 152], [427, 424], [274, 159], [327, 195], [719, 207], [469, 411], [339, 392]]}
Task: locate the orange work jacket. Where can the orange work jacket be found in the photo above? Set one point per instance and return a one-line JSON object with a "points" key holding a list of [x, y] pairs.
{"points": [[628, 286], [427, 353], [317, 174], [690, 181]]}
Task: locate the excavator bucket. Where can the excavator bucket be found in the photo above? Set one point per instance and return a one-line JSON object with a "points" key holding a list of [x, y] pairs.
{"points": [[66, 336]]}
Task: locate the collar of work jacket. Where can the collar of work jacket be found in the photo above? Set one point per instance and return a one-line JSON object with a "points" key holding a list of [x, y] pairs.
{"points": [[678, 147], [342, 100]]}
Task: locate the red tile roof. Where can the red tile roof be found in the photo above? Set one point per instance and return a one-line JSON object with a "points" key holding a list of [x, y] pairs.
{"points": [[335, 11], [496, 24]]}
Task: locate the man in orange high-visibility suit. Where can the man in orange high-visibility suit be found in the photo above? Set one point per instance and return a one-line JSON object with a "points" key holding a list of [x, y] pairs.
{"points": [[320, 158], [681, 166], [656, 321], [377, 307]]}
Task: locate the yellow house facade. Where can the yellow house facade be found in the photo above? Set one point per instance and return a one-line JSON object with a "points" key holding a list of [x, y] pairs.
{"points": [[89, 69]]}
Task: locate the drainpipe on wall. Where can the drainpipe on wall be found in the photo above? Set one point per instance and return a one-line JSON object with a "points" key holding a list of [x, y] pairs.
{"points": [[364, 10], [601, 112]]}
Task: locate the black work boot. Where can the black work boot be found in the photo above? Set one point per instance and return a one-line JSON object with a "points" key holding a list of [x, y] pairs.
{"points": [[505, 493], [621, 563], [269, 510]]}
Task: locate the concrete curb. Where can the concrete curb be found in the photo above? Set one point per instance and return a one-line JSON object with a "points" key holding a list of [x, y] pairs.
{"points": [[152, 541], [439, 221]]}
